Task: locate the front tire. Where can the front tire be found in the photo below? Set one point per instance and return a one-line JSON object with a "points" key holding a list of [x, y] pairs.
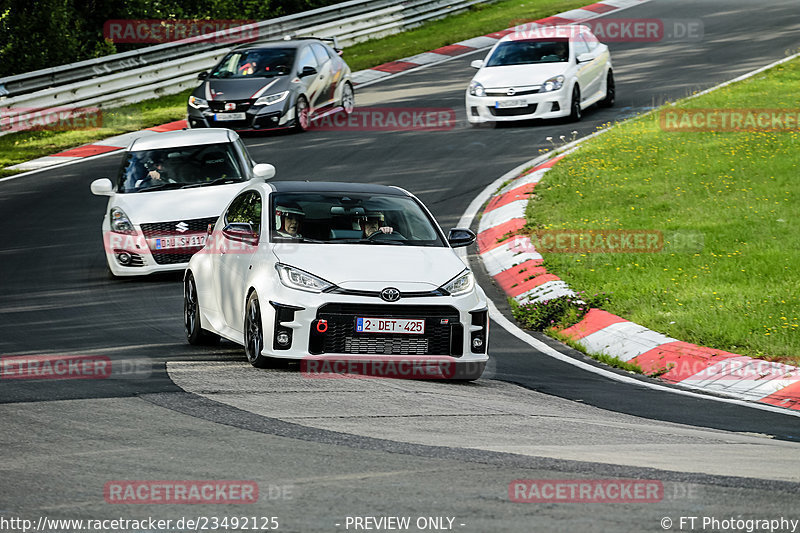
{"points": [[301, 114], [348, 99], [575, 105], [254, 333], [611, 91], [191, 315]]}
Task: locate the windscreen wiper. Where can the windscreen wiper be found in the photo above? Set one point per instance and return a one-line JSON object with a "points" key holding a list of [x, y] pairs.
{"points": [[212, 182]]}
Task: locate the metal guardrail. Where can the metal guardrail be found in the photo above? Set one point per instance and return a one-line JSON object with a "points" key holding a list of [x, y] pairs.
{"points": [[170, 68]]}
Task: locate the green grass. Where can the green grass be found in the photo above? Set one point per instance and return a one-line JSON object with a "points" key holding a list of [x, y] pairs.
{"points": [[24, 146], [728, 204], [479, 20]]}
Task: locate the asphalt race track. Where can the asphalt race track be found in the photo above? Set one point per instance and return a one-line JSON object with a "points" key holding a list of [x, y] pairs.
{"points": [[325, 450]]}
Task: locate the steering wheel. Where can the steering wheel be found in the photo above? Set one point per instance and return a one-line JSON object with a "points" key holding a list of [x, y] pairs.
{"points": [[381, 236]]}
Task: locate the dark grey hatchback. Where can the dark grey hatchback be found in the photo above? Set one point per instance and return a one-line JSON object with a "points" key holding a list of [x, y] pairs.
{"points": [[272, 85]]}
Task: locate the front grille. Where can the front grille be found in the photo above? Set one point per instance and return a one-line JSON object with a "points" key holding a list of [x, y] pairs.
{"points": [[218, 106], [172, 258], [386, 346], [504, 92], [168, 229], [443, 331], [513, 111]]}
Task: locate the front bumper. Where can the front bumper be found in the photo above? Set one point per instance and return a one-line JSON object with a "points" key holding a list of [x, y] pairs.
{"points": [[553, 104], [325, 328], [137, 254], [257, 118]]}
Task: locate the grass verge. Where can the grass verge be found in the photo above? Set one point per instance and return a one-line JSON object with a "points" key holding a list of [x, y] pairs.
{"points": [[727, 204], [478, 20]]}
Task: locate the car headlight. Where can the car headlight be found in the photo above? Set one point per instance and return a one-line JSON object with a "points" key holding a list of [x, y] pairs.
{"points": [[294, 278], [120, 223], [553, 84], [198, 103], [476, 89], [460, 284], [272, 98]]}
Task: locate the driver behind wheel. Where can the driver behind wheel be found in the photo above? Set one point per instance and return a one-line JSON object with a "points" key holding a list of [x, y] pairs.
{"points": [[373, 222], [288, 219]]}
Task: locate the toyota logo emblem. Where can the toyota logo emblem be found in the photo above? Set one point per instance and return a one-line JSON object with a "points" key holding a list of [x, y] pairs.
{"points": [[390, 294], [511, 92]]}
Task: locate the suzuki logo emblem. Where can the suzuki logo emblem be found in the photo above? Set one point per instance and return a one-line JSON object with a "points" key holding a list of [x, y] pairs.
{"points": [[511, 92], [230, 106], [182, 226], [390, 294]]}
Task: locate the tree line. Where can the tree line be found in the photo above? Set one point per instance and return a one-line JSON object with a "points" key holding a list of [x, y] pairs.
{"points": [[37, 34]]}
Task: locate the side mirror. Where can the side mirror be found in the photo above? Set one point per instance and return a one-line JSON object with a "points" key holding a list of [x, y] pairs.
{"points": [[307, 71], [241, 232], [264, 171], [583, 58], [202, 76], [102, 187], [478, 63], [458, 237]]}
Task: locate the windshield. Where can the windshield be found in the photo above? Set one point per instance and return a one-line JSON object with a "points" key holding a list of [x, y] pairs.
{"points": [[255, 63], [335, 218], [529, 52], [179, 168]]}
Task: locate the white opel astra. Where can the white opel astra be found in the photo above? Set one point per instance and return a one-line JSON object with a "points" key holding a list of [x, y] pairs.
{"points": [[541, 72], [338, 272], [169, 188]]}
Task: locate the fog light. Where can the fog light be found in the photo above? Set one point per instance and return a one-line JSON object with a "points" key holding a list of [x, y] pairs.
{"points": [[124, 258], [477, 342], [282, 338]]}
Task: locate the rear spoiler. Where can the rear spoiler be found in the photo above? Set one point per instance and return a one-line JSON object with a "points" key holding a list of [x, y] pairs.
{"points": [[333, 40]]}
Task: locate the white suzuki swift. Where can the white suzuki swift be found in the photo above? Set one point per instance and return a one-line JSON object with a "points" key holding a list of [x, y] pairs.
{"points": [[170, 187], [541, 72], [338, 272]]}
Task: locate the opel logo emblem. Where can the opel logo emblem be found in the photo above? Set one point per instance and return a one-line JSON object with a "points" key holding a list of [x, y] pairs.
{"points": [[390, 294], [511, 92]]}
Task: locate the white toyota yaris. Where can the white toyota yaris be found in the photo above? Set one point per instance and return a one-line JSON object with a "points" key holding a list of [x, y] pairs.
{"points": [[541, 72], [338, 271], [170, 187]]}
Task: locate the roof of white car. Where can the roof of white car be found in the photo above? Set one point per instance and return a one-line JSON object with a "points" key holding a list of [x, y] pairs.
{"points": [[534, 31], [175, 139]]}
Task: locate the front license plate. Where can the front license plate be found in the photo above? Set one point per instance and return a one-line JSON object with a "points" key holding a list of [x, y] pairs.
{"points": [[222, 117], [413, 326], [183, 241], [502, 104]]}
